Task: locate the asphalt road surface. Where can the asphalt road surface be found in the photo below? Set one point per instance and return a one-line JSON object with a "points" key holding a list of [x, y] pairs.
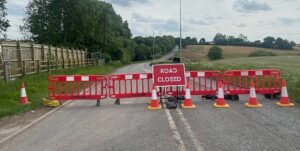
{"points": [[81, 125]]}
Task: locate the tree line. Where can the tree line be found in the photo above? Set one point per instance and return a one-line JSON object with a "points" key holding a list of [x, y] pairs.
{"points": [[242, 40], [90, 24], [94, 25]]}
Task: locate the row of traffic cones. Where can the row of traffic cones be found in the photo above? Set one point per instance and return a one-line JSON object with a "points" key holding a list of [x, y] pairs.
{"points": [[187, 103], [220, 102], [252, 101]]}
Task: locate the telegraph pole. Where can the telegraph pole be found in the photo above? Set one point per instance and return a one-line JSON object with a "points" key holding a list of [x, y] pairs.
{"points": [[180, 45], [153, 47]]}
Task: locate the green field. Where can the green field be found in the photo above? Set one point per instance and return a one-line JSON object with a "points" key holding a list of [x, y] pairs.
{"points": [[36, 88], [197, 53], [287, 61]]}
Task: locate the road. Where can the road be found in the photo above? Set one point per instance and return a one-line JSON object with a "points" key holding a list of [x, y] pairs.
{"points": [[81, 125]]}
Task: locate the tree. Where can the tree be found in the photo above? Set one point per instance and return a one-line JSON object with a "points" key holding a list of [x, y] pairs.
{"points": [[90, 24], [283, 44], [215, 53], [4, 23], [268, 42], [220, 39], [144, 47], [202, 41]]}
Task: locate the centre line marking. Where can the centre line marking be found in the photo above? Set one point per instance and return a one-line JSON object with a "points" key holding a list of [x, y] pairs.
{"points": [[173, 126], [188, 128], [174, 129]]}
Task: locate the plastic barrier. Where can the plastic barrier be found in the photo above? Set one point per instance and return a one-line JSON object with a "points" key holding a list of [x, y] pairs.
{"points": [[130, 85], [201, 83], [92, 87], [267, 81]]}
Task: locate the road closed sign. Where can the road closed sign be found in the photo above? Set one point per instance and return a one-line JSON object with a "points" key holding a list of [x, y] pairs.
{"points": [[168, 75]]}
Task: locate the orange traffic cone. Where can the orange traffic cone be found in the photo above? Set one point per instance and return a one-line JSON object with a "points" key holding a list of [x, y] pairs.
{"points": [[154, 104], [23, 98], [187, 103], [284, 100], [252, 102], [220, 103]]}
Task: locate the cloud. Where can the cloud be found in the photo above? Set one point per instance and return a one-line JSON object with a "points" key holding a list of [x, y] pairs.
{"points": [[13, 9], [196, 22], [13, 31], [21, 3], [240, 25], [209, 17], [145, 19], [249, 6], [167, 26], [288, 21], [298, 8], [126, 3]]}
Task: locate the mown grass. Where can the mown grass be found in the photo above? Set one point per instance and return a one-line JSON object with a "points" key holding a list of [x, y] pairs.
{"points": [[289, 66], [36, 88]]}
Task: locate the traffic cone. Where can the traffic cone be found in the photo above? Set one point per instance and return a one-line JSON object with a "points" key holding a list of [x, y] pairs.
{"points": [[284, 100], [187, 103], [154, 104], [23, 97], [252, 101], [220, 103]]}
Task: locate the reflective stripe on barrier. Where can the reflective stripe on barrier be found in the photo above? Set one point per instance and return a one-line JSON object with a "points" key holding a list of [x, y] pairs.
{"points": [[130, 85], [201, 83], [267, 81], [73, 87]]}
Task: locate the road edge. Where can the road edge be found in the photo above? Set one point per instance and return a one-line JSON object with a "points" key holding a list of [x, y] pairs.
{"points": [[32, 123]]}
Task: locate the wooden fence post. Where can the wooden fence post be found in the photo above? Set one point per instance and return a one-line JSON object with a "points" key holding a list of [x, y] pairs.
{"points": [[32, 52], [56, 59], [19, 55], [24, 68], [7, 70], [48, 65], [43, 53], [62, 57], [38, 66]]}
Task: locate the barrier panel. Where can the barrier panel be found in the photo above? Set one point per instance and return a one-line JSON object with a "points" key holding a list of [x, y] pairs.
{"points": [[92, 87], [267, 81], [201, 83], [130, 85], [120, 86]]}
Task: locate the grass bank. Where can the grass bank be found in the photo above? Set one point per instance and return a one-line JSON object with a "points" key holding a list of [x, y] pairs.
{"points": [[36, 87], [289, 66]]}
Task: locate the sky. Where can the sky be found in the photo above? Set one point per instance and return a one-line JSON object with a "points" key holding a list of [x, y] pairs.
{"points": [[200, 18]]}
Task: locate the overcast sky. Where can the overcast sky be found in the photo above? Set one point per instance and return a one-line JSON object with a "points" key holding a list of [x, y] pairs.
{"points": [[254, 18]]}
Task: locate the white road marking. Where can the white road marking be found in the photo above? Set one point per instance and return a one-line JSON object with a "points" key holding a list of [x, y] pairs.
{"points": [[188, 128], [174, 129], [173, 126]]}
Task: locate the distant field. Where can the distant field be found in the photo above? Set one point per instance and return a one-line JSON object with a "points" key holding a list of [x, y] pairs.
{"points": [[235, 59], [198, 53]]}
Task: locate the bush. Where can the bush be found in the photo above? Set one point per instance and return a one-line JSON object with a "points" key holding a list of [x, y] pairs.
{"points": [[215, 53], [261, 53]]}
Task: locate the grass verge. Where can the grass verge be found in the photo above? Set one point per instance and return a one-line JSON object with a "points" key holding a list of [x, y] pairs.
{"points": [[36, 88]]}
